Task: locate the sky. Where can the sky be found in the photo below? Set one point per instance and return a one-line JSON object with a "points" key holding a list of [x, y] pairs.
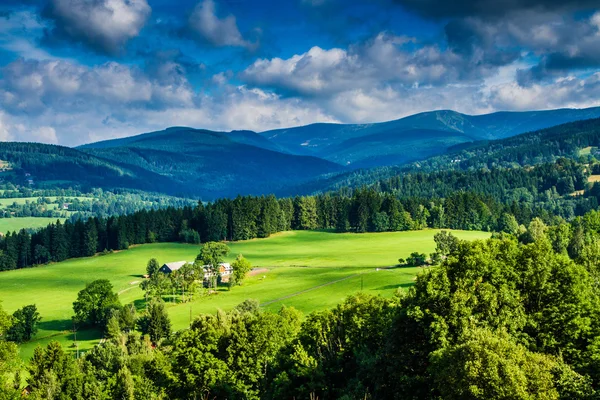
{"points": [[78, 71]]}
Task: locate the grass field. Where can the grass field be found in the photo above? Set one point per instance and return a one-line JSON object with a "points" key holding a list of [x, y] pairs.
{"points": [[307, 270], [594, 178], [586, 151], [16, 224], [23, 200]]}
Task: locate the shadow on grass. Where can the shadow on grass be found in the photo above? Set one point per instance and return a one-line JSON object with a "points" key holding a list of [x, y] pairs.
{"points": [[137, 276], [55, 325], [396, 286]]}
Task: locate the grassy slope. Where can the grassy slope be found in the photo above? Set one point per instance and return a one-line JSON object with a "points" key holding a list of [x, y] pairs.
{"points": [[296, 261], [16, 224]]}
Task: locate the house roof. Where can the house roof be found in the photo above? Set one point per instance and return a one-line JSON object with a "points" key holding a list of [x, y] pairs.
{"points": [[174, 266]]}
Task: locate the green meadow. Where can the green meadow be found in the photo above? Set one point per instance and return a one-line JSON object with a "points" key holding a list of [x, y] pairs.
{"points": [[304, 269], [16, 224]]}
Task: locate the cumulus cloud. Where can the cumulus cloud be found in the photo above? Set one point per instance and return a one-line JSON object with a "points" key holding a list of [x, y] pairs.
{"points": [[378, 62], [31, 86], [562, 92], [56, 101], [205, 23], [104, 25]]}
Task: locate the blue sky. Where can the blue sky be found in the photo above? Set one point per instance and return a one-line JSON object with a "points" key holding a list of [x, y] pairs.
{"points": [[75, 71]]}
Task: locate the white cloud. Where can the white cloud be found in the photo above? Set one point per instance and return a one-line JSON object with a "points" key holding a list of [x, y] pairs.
{"points": [[220, 32], [379, 62], [563, 92], [105, 25], [32, 86], [45, 134], [5, 134]]}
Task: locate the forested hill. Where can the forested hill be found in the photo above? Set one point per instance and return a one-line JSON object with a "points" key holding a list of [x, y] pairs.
{"points": [[215, 164], [208, 165], [179, 162], [528, 149], [414, 137], [53, 166]]}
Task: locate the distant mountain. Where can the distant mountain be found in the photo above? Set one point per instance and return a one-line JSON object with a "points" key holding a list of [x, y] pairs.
{"points": [[415, 137], [200, 163], [214, 164]]}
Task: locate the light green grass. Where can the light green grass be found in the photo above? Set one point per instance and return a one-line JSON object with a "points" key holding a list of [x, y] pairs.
{"points": [[586, 151], [297, 264], [24, 200], [16, 224]]}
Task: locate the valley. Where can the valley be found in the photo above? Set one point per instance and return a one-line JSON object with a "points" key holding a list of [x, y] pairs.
{"points": [[297, 263]]}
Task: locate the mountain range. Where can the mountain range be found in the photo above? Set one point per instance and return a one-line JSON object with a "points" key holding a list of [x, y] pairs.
{"points": [[208, 164]]}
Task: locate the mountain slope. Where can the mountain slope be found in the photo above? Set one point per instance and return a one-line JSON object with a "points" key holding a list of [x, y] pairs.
{"points": [[62, 166], [525, 150], [213, 164], [414, 137]]}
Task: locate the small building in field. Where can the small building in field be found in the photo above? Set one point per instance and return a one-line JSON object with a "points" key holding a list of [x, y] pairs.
{"points": [[172, 266], [225, 269]]}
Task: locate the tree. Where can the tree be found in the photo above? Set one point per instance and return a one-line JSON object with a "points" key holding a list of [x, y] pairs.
{"points": [[492, 366], [381, 222], [305, 209], [446, 243], [95, 303], [152, 267], [155, 322], [417, 259], [24, 326], [9, 354], [212, 254], [241, 266], [508, 223]]}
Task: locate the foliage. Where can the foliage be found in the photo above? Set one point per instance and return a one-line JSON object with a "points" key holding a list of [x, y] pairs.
{"points": [[24, 324], [152, 267], [95, 304], [155, 322], [241, 268]]}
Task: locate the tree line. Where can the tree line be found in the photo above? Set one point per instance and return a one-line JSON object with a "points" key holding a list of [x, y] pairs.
{"points": [[411, 202]]}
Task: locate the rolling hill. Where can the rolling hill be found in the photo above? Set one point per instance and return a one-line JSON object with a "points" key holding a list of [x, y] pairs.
{"points": [[414, 137], [214, 164], [206, 164]]}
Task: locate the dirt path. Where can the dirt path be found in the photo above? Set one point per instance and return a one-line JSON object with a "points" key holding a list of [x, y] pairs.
{"points": [[257, 271]]}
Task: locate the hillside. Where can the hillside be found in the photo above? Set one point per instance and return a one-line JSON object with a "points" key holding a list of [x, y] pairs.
{"points": [[52, 166], [414, 137], [531, 148], [213, 164]]}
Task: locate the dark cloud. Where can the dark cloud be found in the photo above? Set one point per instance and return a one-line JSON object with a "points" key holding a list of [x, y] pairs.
{"points": [[475, 40], [490, 8], [103, 25]]}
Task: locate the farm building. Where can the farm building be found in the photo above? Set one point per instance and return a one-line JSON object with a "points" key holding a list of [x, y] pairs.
{"points": [[225, 269], [172, 266]]}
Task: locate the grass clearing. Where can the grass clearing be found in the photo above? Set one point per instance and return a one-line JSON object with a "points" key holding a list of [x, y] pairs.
{"points": [[307, 270], [25, 200], [16, 224], [594, 178]]}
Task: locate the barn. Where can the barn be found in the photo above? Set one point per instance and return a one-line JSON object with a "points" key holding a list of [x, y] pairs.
{"points": [[173, 266]]}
